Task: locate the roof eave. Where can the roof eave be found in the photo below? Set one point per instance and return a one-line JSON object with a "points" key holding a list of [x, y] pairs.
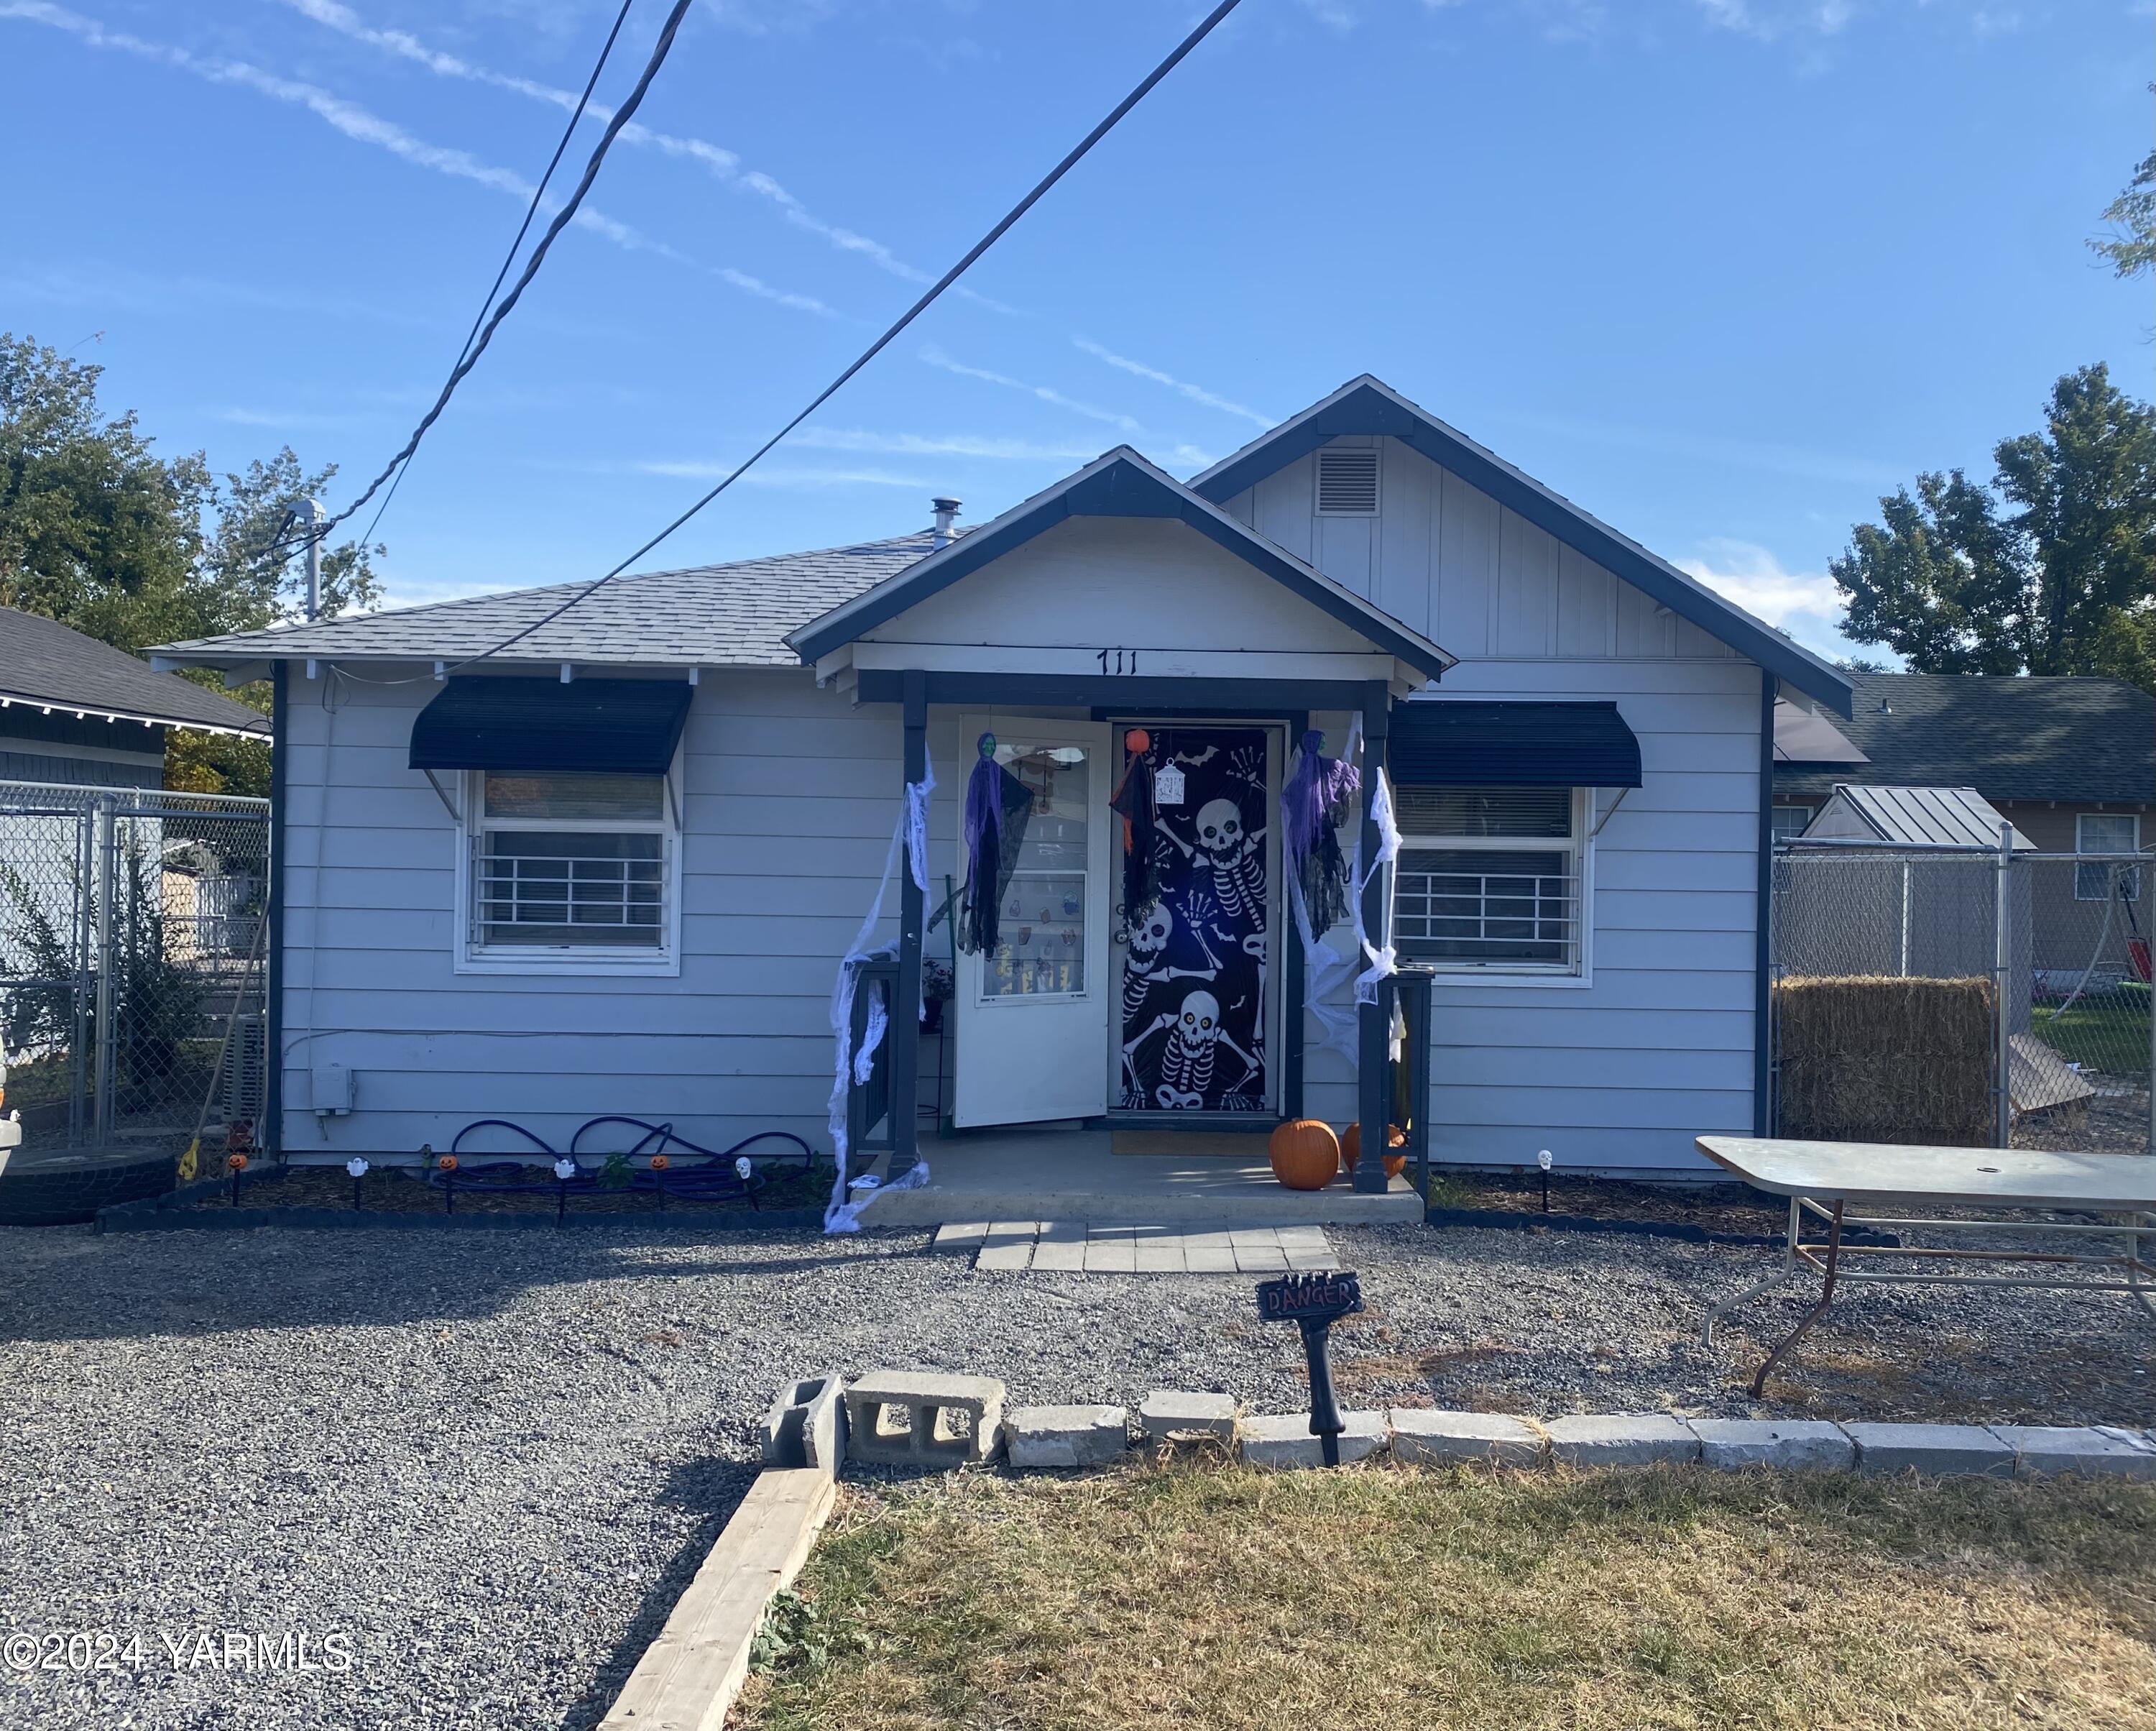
{"points": [[1120, 483], [1369, 406]]}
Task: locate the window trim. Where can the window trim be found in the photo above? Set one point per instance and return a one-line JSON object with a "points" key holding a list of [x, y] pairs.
{"points": [[568, 961], [1531, 976], [2082, 817]]}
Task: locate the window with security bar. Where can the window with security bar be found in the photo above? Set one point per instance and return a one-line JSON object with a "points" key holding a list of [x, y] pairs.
{"points": [[572, 863], [1489, 879]]}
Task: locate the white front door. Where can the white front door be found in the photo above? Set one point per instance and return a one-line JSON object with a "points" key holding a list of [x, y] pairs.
{"points": [[1033, 1012]]}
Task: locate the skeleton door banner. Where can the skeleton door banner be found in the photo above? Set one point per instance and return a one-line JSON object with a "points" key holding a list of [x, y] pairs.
{"points": [[1195, 969]]}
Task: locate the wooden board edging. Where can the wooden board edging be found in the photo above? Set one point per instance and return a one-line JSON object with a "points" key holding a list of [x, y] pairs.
{"points": [[689, 1677]]}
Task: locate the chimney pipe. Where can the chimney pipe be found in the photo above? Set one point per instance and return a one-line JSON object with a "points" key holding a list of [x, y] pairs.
{"points": [[945, 510]]}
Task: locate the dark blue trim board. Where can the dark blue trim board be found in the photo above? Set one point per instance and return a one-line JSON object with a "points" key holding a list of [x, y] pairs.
{"points": [[1367, 408], [1265, 698], [622, 726], [1762, 947], [1121, 483], [271, 1133], [1449, 743]]}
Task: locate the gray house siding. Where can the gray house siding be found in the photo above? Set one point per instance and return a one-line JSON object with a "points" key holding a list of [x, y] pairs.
{"points": [[1622, 1071]]}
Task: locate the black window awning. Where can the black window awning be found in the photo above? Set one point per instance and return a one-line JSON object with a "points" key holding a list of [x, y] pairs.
{"points": [[626, 725], [1537, 745]]}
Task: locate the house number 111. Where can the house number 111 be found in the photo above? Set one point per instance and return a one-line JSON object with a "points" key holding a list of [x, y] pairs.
{"points": [[1127, 660]]}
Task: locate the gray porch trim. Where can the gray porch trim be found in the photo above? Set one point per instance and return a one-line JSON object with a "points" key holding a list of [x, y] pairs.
{"points": [[1268, 699], [1762, 949], [1374, 1102], [271, 1134], [905, 1012]]}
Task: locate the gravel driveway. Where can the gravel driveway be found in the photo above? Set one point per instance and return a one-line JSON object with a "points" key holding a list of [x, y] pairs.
{"points": [[491, 1462]]}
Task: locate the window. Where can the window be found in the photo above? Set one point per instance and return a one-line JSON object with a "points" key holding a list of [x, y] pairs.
{"points": [[572, 867], [1489, 879], [1790, 821], [2103, 832], [1347, 482]]}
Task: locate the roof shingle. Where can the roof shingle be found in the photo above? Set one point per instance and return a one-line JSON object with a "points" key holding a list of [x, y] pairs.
{"points": [[43, 661]]}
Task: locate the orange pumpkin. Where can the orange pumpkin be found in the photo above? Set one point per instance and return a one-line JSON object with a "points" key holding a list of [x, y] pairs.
{"points": [[659, 1162], [1306, 1154], [237, 1162], [448, 1163], [1351, 1148]]}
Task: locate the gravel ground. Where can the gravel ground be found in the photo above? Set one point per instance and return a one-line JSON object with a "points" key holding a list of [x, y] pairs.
{"points": [[492, 1462]]}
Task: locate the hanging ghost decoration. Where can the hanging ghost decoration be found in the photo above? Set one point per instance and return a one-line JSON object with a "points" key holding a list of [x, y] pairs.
{"points": [[998, 805], [1314, 804], [1133, 800]]}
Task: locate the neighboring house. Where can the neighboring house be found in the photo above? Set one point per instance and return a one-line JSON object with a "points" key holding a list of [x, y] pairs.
{"points": [[74, 710], [2070, 762], [614, 866]]}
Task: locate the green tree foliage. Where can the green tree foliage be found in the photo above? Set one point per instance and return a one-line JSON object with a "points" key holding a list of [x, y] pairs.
{"points": [[98, 531], [2131, 246], [2049, 569]]}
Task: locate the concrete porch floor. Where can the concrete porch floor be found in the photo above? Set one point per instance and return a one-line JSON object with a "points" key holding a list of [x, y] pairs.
{"points": [[1071, 1175]]}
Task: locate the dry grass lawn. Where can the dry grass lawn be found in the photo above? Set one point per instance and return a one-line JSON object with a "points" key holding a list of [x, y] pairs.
{"points": [[1217, 1597]]}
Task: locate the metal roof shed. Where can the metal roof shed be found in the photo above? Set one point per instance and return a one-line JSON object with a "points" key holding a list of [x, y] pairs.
{"points": [[1911, 817]]}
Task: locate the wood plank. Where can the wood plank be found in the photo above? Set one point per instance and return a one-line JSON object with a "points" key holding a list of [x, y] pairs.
{"points": [[688, 1678]]}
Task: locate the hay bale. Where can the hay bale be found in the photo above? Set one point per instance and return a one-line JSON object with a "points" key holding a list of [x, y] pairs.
{"points": [[1885, 1059]]}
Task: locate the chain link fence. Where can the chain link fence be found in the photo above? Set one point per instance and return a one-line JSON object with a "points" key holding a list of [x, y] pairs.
{"points": [[133, 923], [1942, 994]]}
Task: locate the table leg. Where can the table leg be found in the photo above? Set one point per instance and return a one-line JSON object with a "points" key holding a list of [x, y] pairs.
{"points": [[1819, 1309], [2135, 1245], [1788, 1268]]}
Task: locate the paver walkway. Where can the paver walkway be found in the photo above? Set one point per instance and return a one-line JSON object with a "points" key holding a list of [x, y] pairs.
{"points": [[1074, 1247]]}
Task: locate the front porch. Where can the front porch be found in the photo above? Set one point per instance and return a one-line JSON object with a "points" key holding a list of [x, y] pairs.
{"points": [[1074, 1174]]}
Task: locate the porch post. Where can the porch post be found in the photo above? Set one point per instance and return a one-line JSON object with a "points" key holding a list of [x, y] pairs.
{"points": [[905, 1012], [1374, 1099]]}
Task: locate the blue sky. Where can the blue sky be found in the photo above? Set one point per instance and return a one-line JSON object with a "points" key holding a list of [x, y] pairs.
{"points": [[1721, 270]]}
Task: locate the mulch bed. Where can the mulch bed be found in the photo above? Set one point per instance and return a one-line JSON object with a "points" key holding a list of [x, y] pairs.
{"points": [[1712, 1208], [398, 1189]]}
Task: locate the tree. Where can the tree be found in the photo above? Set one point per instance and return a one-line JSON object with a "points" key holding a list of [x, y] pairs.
{"points": [[99, 532], [2050, 569], [2132, 246]]}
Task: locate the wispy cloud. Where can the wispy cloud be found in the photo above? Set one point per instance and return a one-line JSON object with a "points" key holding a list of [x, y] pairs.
{"points": [[296, 419], [936, 357], [723, 164], [945, 444], [1805, 603], [365, 126], [1770, 20], [1181, 387], [115, 286], [701, 470]]}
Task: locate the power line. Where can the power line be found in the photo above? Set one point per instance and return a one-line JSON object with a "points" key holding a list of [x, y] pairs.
{"points": [[1138, 94], [562, 217], [524, 227]]}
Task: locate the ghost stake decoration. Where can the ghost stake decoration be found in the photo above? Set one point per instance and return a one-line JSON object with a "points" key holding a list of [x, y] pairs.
{"points": [[1314, 1303]]}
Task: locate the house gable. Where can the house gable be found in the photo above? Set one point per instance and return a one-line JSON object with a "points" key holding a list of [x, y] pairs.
{"points": [[1483, 557], [1119, 559]]}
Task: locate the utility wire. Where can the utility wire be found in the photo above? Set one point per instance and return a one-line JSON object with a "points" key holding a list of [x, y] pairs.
{"points": [[1145, 85], [524, 227], [562, 217]]}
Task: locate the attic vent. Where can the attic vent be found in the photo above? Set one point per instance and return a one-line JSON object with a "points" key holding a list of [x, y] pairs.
{"points": [[1347, 482]]}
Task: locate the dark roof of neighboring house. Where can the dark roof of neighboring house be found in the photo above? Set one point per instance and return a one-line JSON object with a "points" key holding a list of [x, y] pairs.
{"points": [[735, 615], [2009, 738], [54, 666]]}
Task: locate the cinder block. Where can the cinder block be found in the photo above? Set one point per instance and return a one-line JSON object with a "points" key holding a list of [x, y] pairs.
{"points": [[2095, 1451], [1421, 1436], [1283, 1440], [1172, 1416], [1065, 1436], [1623, 1439], [1797, 1445], [807, 1424], [1938, 1449], [961, 1237], [924, 1418]]}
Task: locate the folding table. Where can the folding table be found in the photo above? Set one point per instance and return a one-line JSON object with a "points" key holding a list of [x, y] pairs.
{"points": [[2001, 1189]]}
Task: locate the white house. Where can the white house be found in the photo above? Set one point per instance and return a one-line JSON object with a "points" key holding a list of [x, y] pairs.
{"points": [[615, 865]]}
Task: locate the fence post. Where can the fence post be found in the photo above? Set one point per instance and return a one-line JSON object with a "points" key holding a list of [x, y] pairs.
{"points": [[2002, 974], [106, 1046]]}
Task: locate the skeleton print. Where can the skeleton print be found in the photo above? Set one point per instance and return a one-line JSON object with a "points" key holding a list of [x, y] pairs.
{"points": [[1194, 969]]}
